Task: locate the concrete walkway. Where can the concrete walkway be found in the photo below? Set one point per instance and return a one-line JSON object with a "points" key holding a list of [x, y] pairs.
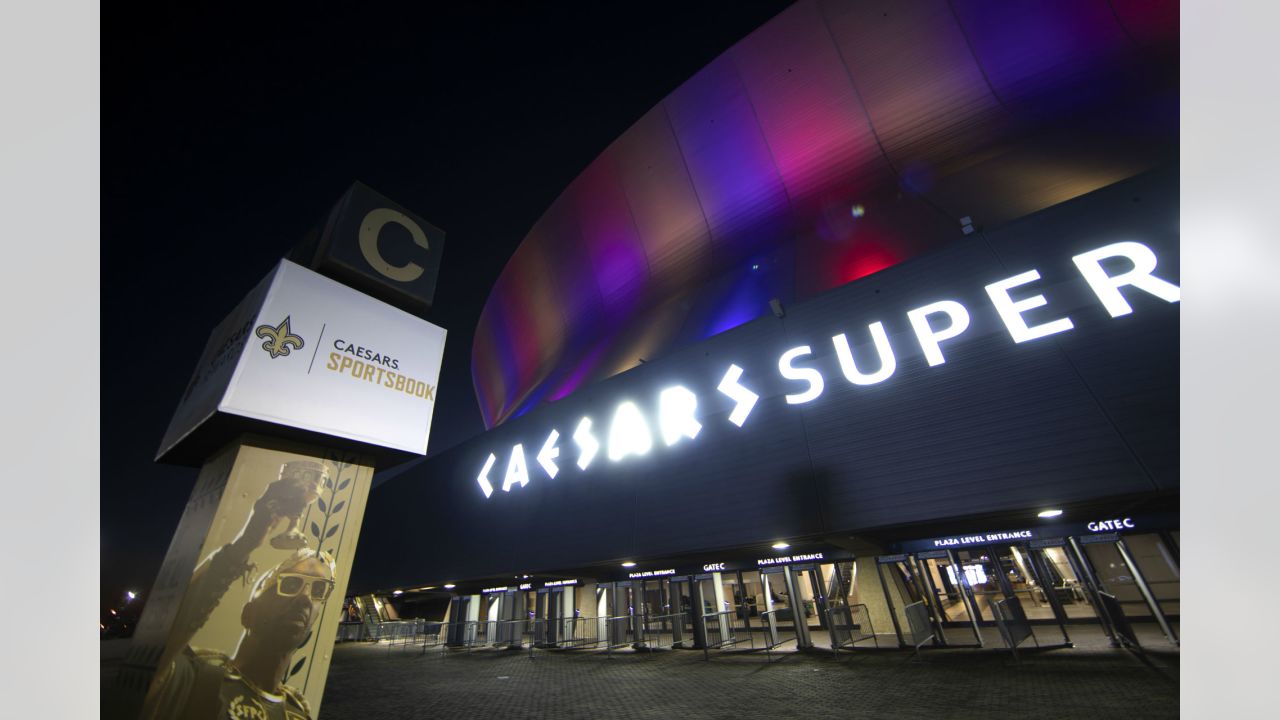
{"points": [[371, 682]]}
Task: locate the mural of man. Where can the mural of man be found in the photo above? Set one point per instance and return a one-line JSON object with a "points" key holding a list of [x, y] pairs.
{"points": [[247, 684]]}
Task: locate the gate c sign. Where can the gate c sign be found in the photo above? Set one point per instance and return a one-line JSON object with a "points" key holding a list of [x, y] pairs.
{"points": [[378, 247]]}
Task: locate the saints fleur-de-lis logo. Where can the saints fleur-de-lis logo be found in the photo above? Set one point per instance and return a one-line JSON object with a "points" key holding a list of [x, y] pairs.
{"points": [[278, 338]]}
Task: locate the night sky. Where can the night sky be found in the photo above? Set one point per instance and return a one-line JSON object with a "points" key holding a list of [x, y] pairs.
{"points": [[227, 136]]}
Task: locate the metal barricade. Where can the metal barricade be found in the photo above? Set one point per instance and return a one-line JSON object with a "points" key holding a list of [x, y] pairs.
{"points": [[1012, 621], [511, 634], [349, 631], [434, 634], [717, 632], [618, 632], [655, 627], [399, 632], [919, 625], [846, 625], [500, 634], [773, 638], [1124, 634], [459, 634], [580, 632], [479, 634]]}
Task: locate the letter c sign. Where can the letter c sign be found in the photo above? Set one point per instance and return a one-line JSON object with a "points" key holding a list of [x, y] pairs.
{"points": [[372, 226]]}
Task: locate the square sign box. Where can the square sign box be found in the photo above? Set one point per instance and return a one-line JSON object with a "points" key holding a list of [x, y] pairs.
{"points": [[309, 356], [378, 247]]}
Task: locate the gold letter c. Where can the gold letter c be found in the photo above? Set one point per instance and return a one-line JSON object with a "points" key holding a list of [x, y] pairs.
{"points": [[371, 227]]}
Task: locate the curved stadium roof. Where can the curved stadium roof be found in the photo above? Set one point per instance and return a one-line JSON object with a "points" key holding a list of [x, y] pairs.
{"points": [[838, 139]]}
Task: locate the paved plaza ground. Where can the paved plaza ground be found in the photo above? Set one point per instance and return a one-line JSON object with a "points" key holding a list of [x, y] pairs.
{"points": [[372, 682]]}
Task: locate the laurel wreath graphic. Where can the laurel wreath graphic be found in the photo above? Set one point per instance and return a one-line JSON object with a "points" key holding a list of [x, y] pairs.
{"points": [[326, 523]]}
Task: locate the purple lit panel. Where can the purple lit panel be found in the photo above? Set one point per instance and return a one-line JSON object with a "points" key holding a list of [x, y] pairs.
{"points": [[737, 296], [494, 332], [560, 241], [531, 310], [618, 261], [1058, 52], [842, 137], [732, 170], [487, 370], [662, 200], [926, 96], [812, 120], [1153, 24]]}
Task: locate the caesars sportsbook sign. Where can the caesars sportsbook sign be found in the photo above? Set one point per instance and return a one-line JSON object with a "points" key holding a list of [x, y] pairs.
{"points": [[305, 351]]}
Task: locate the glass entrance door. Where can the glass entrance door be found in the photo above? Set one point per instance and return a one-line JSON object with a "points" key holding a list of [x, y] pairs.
{"points": [[952, 604], [811, 605], [751, 601], [979, 569], [1119, 573], [903, 587], [1060, 580], [779, 617], [682, 602], [656, 613]]}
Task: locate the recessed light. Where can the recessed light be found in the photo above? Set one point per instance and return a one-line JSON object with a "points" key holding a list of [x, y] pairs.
{"points": [[449, 586], [398, 592], [1050, 513], [781, 545], [628, 564]]}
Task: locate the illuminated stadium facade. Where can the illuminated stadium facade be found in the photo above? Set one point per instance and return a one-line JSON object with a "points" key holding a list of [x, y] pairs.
{"points": [[824, 341]]}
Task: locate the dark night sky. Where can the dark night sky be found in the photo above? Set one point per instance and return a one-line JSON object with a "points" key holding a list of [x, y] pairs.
{"points": [[227, 136]]}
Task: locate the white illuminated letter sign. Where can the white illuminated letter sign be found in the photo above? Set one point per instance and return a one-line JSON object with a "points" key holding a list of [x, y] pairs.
{"points": [[588, 446], [517, 471], [676, 406], [483, 477], [1011, 310], [809, 375], [547, 455], [929, 338], [1107, 287], [887, 362], [629, 433], [743, 398]]}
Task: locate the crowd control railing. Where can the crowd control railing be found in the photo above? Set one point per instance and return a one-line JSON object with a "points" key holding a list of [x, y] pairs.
{"points": [[717, 632], [918, 624], [434, 634], [655, 627], [618, 632], [580, 633], [402, 633], [846, 623], [350, 631], [1012, 621], [1124, 634], [513, 633], [773, 638]]}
